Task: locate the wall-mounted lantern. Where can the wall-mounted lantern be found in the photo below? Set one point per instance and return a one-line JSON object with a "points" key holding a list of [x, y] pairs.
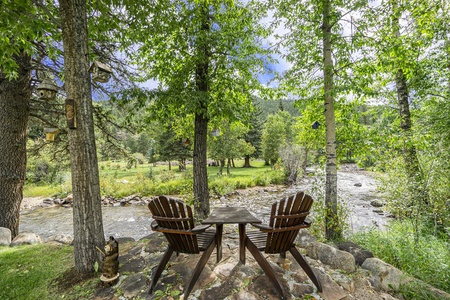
{"points": [[47, 89], [215, 132], [100, 72], [315, 125], [50, 133]]}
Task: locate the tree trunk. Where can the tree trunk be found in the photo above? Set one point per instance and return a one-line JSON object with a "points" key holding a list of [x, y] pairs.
{"points": [[247, 162], [222, 164], [413, 170], [412, 165], [87, 212], [14, 111], [182, 165], [228, 166], [305, 159], [201, 190], [331, 218]]}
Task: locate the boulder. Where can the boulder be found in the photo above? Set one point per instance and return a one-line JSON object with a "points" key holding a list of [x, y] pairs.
{"points": [[304, 238], [388, 278], [383, 275], [331, 256], [64, 239], [5, 236], [26, 238], [359, 253]]}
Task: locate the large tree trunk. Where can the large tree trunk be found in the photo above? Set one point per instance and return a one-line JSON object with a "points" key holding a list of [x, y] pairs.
{"points": [[87, 212], [14, 111], [331, 218], [247, 162], [201, 190]]}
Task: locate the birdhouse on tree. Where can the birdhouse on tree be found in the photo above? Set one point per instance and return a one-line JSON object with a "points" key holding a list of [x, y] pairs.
{"points": [[215, 132], [100, 72], [47, 89], [50, 133], [315, 125]]}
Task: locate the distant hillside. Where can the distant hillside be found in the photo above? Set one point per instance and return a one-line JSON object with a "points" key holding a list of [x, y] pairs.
{"points": [[271, 107]]}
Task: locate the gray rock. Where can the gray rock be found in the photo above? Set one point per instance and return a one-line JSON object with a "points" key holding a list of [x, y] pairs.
{"points": [[359, 253], [304, 238], [331, 256], [388, 278], [64, 239], [376, 203], [5, 236], [384, 276], [26, 238], [358, 184], [331, 290], [134, 285]]}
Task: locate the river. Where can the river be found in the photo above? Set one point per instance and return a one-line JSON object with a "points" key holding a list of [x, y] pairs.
{"points": [[357, 189]]}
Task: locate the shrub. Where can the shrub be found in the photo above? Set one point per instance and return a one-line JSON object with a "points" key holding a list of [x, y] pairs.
{"points": [[223, 186], [139, 157], [291, 158]]}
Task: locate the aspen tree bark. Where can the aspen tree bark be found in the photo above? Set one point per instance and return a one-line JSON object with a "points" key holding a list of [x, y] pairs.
{"points": [[412, 165], [201, 190], [87, 212], [14, 111], [331, 218]]}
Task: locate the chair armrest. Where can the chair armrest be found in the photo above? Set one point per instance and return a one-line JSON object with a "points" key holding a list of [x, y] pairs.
{"points": [[261, 226], [200, 228]]}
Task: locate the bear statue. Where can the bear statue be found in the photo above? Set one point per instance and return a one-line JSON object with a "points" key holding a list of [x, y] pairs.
{"points": [[110, 265]]}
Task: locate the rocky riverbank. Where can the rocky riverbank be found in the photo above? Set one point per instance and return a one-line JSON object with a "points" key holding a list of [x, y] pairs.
{"points": [[345, 271]]}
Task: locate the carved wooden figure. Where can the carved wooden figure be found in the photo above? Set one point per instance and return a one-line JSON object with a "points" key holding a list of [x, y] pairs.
{"points": [[110, 266]]}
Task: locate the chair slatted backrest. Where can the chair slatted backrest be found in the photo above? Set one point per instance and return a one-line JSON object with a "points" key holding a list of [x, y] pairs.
{"points": [[175, 220], [286, 217]]}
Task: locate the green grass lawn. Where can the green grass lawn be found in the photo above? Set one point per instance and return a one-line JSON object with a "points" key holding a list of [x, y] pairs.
{"points": [[147, 179], [28, 271]]}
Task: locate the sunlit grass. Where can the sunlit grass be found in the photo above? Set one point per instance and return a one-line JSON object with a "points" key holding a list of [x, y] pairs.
{"points": [[28, 271], [117, 180]]}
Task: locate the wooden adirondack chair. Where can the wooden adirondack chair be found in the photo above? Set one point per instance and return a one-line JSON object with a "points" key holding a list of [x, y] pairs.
{"points": [[175, 220], [286, 219]]}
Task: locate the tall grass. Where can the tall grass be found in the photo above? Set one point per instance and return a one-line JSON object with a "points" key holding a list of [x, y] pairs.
{"points": [[426, 257]]}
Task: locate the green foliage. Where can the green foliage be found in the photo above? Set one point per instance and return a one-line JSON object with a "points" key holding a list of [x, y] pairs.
{"points": [[229, 144], [426, 258], [277, 133], [318, 227], [25, 25], [223, 186]]}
